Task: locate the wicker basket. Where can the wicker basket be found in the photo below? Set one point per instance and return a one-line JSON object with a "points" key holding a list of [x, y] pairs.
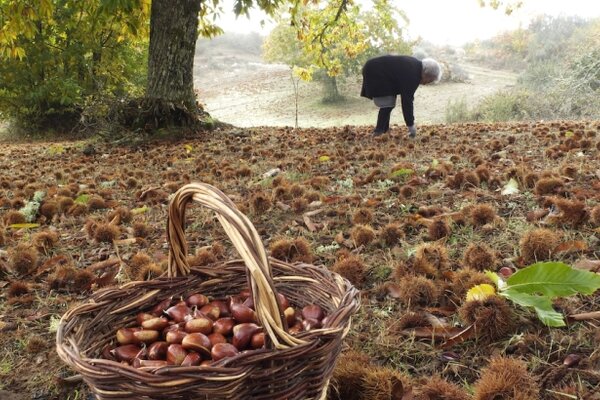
{"points": [[289, 367]]}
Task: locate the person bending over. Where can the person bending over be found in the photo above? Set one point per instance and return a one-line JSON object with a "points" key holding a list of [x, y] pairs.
{"points": [[388, 76]]}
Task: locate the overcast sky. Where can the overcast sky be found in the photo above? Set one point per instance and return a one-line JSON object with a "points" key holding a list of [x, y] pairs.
{"points": [[453, 22]]}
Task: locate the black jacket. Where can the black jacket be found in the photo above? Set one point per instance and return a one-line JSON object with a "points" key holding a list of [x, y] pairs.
{"points": [[393, 75]]}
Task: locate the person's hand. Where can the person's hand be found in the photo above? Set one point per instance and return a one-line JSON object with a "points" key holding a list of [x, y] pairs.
{"points": [[412, 131]]}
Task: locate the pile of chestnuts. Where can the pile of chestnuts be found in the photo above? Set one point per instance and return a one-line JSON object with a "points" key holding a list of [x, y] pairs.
{"points": [[199, 331]]}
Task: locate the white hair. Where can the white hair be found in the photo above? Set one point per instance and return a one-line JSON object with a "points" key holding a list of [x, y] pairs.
{"points": [[432, 69]]}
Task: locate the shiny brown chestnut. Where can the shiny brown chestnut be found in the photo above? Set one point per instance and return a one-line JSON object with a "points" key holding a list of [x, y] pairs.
{"points": [[191, 360], [125, 336], [310, 324], [156, 323], [198, 342], [223, 307], [242, 313], [126, 353], [258, 340], [176, 354], [158, 309], [313, 311], [242, 334], [179, 312], [201, 324], [158, 350], [141, 317], [196, 300], [222, 350], [145, 336], [217, 338], [211, 311], [224, 326], [290, 316], [175, 336]]}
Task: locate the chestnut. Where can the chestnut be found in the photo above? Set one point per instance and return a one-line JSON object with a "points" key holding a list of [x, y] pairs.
{"points": [[202, 324], [196, 300], [313, 311], [249, 302], [141, 317], [158, 350], [310, 323], [223, 308], [155, 323], [290, 316], [126, 353], [197, 342], [176, 354], [217, 338], [125, 336], [283, 301], [211, 311], [242, 313], [175, 336], [224, 326], [145, 336], [191, 360], [222, 350], [296, 328], [242, 334], [158, 309], [235, 300], [178, 312], [258, 340]]}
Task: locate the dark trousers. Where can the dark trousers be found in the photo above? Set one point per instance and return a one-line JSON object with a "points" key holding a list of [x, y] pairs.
{"points": [[383, 119]]}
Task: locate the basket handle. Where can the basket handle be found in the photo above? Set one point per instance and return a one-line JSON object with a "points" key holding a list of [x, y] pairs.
{"points": [[248, 244]]}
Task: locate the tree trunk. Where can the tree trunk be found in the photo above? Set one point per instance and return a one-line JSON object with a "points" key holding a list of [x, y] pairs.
{"points": [[331, 94], [173, 34]]}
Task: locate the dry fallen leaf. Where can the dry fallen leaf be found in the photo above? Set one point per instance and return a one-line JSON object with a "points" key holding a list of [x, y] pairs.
{"points": [[460, 337], [572, 246], [309, 224], [585, 316], [587, 265]]}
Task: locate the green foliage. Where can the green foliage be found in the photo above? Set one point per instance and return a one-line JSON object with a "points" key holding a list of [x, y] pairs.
{"points": [[385, 28], [328, 41], [55, 54], [457, 111], [538, 284], [559, 62], [553, 279], [503, 106], [82, 198], [508, 5]]}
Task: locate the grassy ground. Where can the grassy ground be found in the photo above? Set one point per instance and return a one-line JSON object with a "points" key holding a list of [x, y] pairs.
{"points": [[396, 217]]}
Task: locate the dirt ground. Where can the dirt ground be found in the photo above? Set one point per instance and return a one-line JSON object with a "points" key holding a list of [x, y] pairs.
{"points": [[245, 92]]}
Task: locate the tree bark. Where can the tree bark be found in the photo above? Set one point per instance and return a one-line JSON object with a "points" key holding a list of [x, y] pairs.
{"points": [[173, 34], [331, 94]]}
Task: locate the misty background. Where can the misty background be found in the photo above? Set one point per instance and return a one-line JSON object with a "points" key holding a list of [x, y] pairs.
{"points": [[539, 62]]}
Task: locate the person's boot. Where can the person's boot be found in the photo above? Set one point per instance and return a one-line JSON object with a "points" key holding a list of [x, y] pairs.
{"points": [[383, 121]]}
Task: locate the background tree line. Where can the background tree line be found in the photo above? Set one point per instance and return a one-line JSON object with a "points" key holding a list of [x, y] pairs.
{"points": [[558, 62]]}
